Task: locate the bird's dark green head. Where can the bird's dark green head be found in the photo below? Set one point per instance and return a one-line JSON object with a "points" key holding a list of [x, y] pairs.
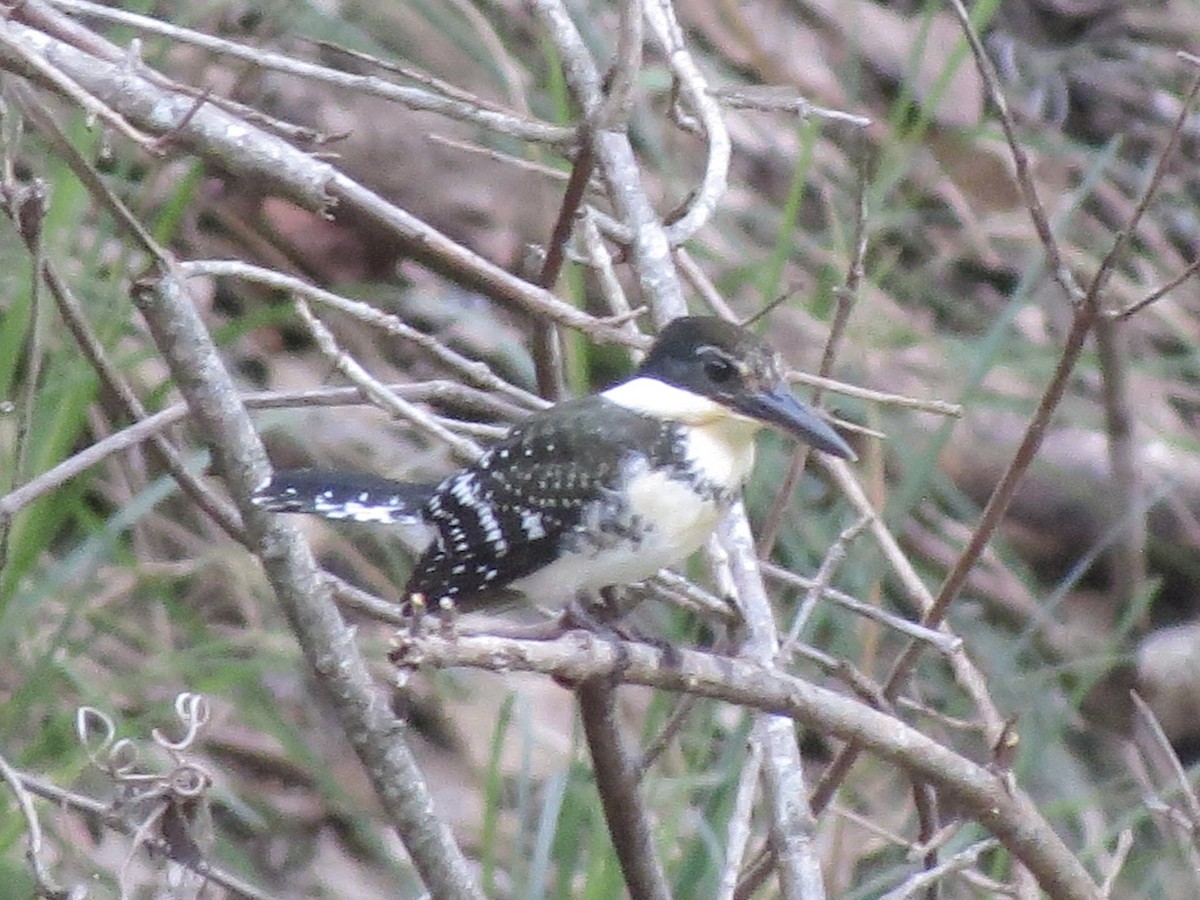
{"points": [[722, 362]]}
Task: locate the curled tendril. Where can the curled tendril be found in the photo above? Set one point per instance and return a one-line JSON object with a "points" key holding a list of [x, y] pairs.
{"points": [[97, 734], [89, 721], [193, 711], [165, 807], [189, 781], [122, 759]]}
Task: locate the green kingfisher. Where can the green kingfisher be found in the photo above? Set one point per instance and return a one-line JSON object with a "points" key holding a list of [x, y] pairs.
{"points": [[595, 492]]}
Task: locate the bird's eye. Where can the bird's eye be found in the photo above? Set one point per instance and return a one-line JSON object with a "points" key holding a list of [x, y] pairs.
{"points": [[719, 370]]}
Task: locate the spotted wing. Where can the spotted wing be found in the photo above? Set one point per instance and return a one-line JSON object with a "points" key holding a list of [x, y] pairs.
{"points": [[552, 483]]}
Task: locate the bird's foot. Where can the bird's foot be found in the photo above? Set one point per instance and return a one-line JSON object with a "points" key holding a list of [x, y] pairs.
{"points": [[602, 618]]}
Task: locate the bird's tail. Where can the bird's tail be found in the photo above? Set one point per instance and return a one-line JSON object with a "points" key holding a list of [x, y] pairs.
{"points": [[343, 495]]}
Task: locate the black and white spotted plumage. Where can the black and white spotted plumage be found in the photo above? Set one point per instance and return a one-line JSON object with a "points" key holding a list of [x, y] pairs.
{"points": [[352, 496], [604, 490], [556, 487]]}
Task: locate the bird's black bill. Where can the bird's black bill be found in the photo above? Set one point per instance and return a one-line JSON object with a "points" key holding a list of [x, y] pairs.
{"points": [[779, 407]]}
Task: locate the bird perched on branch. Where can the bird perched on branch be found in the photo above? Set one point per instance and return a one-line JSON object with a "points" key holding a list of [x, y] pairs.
{"points": [[600, 491]]}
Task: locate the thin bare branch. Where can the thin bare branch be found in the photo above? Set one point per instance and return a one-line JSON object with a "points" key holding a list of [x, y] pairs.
{"points": [[40, 68], [1129, 551], [414, 98], [547, 346], [617, 783], [525, 165], [702, 285], [329, 646], [398, 406], [924, 881], [1033, 202], [1121, 241], [790, 820], [638, 222], [738, 830], [46, 886], [846, 298], [598, 257], [693, 89], [26, 207], [944, 643], [614, 111], [1120, 854], [1158, 293], [1004, 810], [776, 99], [146, 428], [1156, 749], [820, 583], [472, 371], [937, 407]]}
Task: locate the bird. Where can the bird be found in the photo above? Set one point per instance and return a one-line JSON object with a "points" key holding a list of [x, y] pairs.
{"points": [[592, 493]]}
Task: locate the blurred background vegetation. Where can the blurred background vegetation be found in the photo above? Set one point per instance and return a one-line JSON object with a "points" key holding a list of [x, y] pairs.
{"points": [[117, 593]]}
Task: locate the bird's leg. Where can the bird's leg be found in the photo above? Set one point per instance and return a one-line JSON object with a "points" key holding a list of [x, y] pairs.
{"points": [[611, 611], [579, 614], [609, 607], [448, 618], [584, 613], [414, 610]]}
